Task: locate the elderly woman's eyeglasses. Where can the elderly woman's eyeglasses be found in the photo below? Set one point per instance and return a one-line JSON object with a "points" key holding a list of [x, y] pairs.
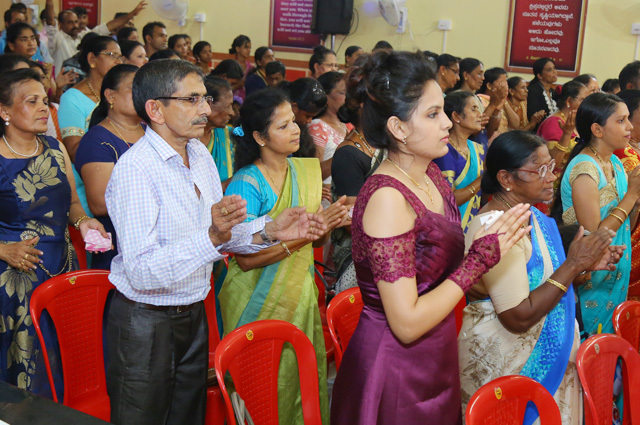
{"points": [[117, 56], [542, 171]]}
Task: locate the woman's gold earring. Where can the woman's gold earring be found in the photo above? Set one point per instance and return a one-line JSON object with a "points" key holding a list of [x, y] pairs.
{"points": [[111, 105]]}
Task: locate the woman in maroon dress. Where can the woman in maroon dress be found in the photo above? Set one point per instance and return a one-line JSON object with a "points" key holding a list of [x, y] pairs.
{"points": [[401, 365]]}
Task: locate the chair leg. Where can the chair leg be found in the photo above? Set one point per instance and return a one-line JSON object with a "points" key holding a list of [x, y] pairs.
{"points": [[216, 409]]}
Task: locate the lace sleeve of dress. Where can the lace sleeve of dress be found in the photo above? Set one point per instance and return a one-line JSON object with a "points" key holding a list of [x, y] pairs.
{"points": [[392, 258], [584, 167]]}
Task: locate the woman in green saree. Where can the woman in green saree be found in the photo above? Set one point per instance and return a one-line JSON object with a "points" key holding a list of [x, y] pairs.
{"points": [[595, 193], [277, 283]]}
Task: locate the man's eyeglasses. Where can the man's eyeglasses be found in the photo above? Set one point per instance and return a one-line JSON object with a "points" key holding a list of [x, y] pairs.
{"points": [[115, 55], [542, 171], [194, 100]]}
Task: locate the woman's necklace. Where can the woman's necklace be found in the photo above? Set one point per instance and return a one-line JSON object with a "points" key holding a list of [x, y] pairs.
{"points": [[464, 154], [508, 205], [18, 153], [271, 178], [426, 190], [604, 168], [364, 142], [93, 92], [117, 131]]}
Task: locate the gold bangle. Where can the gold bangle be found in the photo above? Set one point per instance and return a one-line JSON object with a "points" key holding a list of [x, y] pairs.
{"points": [[470, 187], [80, 220], [626, 214], [617, 216], [558, 285], [286, 248], [562, 148]]}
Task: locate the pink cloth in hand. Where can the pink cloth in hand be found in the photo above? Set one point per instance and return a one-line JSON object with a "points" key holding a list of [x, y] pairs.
{"points": [[94, 241], [484, 253]]}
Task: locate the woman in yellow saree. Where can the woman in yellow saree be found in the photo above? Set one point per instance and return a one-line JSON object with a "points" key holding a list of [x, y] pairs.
{"points": [[277, 283]]}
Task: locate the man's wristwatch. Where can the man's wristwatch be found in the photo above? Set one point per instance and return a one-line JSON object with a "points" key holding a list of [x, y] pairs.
{"points": [[265, 236]]}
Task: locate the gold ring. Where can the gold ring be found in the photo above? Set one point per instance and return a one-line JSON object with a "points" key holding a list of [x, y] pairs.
{"points": [[22, 263], [224, 211], [26, 256], [311, 229]]}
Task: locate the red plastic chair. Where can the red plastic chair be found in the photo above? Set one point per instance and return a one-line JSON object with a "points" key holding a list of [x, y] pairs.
{"points": [[75, 301], [251, 353], [626, 322], [504, 401], [596, 362], [79, 246], [343, 315], [215, 409]]}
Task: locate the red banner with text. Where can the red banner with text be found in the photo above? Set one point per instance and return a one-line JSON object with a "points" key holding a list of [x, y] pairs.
{"points": [[92, 6], [546, 28], [290, 26]]}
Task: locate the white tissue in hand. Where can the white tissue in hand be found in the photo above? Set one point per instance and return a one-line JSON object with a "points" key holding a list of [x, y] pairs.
{"points": [[488, 219]]}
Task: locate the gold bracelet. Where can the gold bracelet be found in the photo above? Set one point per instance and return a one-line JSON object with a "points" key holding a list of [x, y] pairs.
{"points": [[80, 220], [626, 214], [562, 148], [286, 248], [558, 285], [617, 216], [470, 187]]}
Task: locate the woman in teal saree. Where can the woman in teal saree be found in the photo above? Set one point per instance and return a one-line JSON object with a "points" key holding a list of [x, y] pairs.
{"points": [[277, 283], [462, 166], [595, 193]]}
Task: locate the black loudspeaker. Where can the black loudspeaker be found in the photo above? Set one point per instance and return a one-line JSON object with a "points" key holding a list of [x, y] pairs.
{"points": [[332, 16]]}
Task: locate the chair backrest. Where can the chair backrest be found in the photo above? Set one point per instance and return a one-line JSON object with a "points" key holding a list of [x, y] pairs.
{"points": [[76, 301], [251, 353], [343, 315], [79, 246], [596, 361], [504, 401], [626, 322]]}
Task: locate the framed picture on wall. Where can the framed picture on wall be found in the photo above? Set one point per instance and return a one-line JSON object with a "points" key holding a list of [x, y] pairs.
{"points": [[290, 26], [543, 28], [92, 6]]}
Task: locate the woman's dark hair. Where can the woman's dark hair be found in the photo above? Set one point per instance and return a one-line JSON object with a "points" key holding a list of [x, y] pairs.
{"points": [[215, 86], [585, 78], [356, 92], [128, 46], [163, 54], [570, 90], [14, 31], [9, 61], [199, 46], [446, 60], [318, 57], [466, 65], [513, 82], [594, 109], [95, 46], [394, 83], [111, 81], [350, 51], [491, 75], [610, 85], [329, 80], [632, 99], [8, 81], [509, 151], [36, 64], [538, 67], [257, 56], [275, 67], [307, 94], [124, 33], [382, 45], [174, 39], [229, 68], [239, 41], [256, 114], [455, 102]]}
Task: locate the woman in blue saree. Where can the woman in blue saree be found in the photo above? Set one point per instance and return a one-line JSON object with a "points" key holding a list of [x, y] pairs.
{"points": [[596, 193], [462, 166], [521, 317]]}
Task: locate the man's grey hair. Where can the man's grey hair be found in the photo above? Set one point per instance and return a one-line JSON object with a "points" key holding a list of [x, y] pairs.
{"points": [[159, 78]]}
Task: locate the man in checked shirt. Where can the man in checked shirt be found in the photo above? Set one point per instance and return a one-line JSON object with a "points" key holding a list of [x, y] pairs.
{"points": [[166, 203]]}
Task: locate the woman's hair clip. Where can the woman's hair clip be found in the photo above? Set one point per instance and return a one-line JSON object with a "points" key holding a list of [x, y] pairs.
{"points": [[238, 131], [579, 140]]}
